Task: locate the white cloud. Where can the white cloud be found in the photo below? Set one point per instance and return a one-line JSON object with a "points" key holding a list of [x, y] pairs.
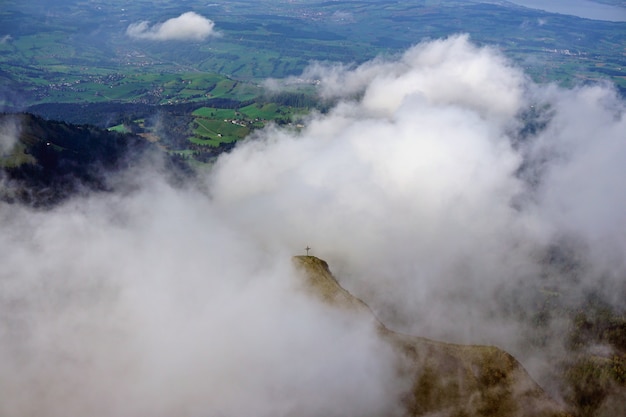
{"points": [[416, 186], [110, 308], [399, 185], [187, 26], [449, 72], [581, 189]]}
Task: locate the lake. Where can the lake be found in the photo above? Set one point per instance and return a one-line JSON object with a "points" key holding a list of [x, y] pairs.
{"points": [[580, 8]]}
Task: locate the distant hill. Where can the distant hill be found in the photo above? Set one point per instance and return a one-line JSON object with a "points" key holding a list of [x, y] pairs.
{"points": [[447, 379]]}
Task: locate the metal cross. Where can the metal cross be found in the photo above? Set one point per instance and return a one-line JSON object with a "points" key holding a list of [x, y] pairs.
{"points": [[307, 250]]}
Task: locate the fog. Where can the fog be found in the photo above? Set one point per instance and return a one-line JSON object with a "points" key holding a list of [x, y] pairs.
{"points": [[9, 131], [420, 187], [151, 304], [427, 183]]}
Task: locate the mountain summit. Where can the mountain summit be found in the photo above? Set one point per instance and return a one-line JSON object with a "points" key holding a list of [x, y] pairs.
{"points": [[445, 379]]}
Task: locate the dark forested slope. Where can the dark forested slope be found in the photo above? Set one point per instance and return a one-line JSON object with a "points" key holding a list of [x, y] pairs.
{"points": [[43, 162]]}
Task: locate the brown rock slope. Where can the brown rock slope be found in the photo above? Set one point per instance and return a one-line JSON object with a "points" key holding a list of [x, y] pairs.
{"points": [[446, 379]]}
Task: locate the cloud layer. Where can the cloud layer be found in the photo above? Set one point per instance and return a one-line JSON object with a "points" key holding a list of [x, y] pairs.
{"points": [[440, 184], [187, 26], [434, 188], [109, 309]]}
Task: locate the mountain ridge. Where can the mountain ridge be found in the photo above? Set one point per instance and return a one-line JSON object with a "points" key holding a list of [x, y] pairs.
{"points": [[446, 379]]}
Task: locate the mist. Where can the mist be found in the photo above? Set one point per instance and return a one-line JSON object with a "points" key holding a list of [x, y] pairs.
{"points": [[424, 189], [9, 131], [150, 305]]}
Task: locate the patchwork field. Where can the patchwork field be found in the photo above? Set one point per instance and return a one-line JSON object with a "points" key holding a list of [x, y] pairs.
{"points": [[74, 61]]}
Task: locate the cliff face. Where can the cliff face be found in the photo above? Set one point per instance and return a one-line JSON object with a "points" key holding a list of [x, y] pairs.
{"points": [[446, 379]]}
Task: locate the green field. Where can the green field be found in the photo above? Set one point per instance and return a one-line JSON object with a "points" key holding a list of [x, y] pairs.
{"points": [[209, 91], [266, 111], [55, 57], [220, 131], [119, 128], [214, 113], [213, 126], [152, 88]]}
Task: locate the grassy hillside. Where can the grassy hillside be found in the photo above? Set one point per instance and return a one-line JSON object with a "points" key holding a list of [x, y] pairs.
{"points": [[446, 379]]}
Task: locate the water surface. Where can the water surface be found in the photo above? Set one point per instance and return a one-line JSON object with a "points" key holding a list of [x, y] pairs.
{"points": [[580, 8]]}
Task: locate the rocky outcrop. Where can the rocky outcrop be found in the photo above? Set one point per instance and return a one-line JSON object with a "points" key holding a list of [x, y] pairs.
{"points": [[446, 379]]}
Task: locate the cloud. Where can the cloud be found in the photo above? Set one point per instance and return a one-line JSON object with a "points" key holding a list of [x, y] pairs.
{"points": [[187, 26], [423, 187], [400, 180], [451, 71], [435, 188], [9, 132], [580, 192], [109, 309]]}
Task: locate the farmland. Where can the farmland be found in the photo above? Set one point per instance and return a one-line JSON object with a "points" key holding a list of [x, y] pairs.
{"points": [[72, 60], [79, 50]]}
